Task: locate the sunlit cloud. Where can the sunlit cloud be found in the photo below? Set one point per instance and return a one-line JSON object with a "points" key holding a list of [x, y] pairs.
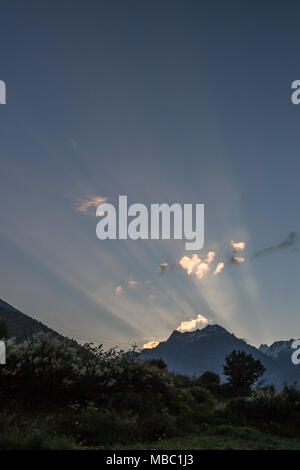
{"points": [[119, 290], [163, 267], [197, 266], [237, 259], [210, 257], [189, 264], [197, 323], [85, 205], [238, 246], [150, 345], [219, 268]]}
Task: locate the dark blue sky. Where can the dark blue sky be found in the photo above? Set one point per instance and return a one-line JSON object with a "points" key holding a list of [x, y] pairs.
{"points": [[163, 101]]}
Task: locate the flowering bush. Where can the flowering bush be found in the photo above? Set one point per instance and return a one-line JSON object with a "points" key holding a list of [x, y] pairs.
{"points": [[98, 395], [47, 366]]}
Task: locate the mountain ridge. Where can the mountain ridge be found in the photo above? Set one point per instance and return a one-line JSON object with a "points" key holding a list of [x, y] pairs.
{"points": [[189, 353], [193, 353], [20, 325]]}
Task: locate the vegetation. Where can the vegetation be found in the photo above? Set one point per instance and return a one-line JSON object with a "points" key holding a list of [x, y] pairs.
{"points": [[68, 396], [242, 371]]}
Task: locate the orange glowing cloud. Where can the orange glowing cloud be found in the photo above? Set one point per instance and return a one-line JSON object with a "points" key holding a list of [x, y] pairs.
{"points": [[238, 246], [238, 259], [150, 345], [119, 290], [219, 268], [85, 205]]}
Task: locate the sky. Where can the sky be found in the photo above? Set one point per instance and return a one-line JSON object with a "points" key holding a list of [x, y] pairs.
{"points": [[165, 102]]}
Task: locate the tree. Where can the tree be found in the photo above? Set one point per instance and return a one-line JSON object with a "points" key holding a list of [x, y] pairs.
{"points": [[242, 371], [208, 378], [3, 329], [210, 381], [159, 363]]}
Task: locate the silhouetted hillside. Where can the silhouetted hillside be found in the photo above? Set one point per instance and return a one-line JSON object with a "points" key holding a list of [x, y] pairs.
{"points": [[20, 325], [193, 353]]}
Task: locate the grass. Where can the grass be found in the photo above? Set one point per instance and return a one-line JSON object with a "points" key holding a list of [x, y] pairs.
{"points": [[12, 440], [83, 430], [224, 437]]}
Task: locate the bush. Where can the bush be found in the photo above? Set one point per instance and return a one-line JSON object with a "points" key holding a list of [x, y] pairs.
{"points": [[90, 426], [14, 440], [46, 368], [100, 397], [158, 424], [159, 363], [208, 378], [245, 432], [275, 412]]}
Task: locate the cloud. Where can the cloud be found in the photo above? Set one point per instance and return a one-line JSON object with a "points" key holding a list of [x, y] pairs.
{"points": [[119, 290], [288, 242], [163, 267], [194, 265], [150, 345], [210, 257], [197, 266], [236, 260], [85, 205], [199, 322], [238, 246], [189, 264], [194, 323], [132, 282], [219, 268]]}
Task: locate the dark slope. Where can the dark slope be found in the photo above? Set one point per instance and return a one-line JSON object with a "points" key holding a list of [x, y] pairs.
{"points": [[193, 353], [20, 325]]}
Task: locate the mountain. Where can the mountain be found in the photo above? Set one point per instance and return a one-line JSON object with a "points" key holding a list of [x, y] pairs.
{"points": [[281, 353], [19, 325], [192, 353], [189, 353], [280, 350]]}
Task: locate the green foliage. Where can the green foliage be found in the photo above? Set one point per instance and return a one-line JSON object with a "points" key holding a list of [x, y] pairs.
{"points": [[90, 426], [245, 432], [159, 363], [22, 431], [211, 381], [276, 412], [209, 378], [45, 368], [182, 381], [242, 371], [102, 397], [14, 440]]}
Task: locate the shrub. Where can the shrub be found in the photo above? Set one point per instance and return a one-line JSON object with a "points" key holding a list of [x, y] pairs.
{"points": [[100, 397], [47, 369], [208, 378], [159, 363], [14, 440], [92, 426], [275, 412]]}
